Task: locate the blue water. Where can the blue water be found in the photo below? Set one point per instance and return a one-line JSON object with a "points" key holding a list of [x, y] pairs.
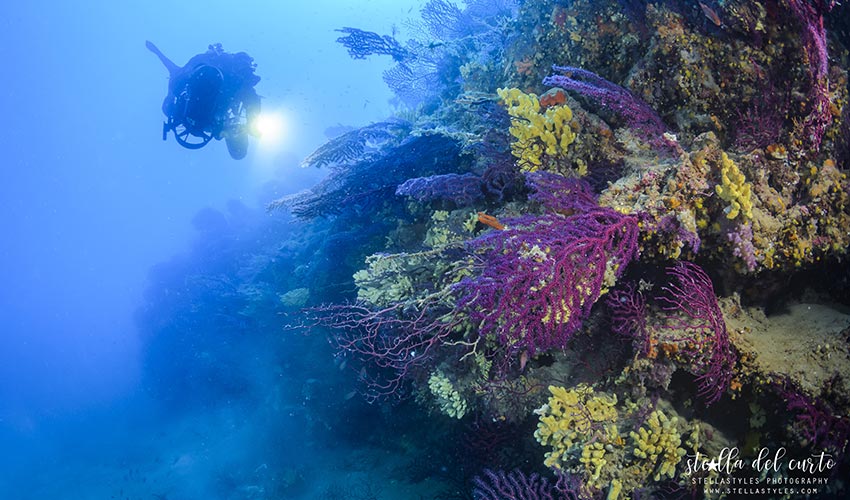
{"points": [[92, 200]]}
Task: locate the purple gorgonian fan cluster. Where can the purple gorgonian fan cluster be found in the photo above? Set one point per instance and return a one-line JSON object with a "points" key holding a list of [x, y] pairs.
{"points": [[810, 15], [689, 311], [816, 421], [461, 189], [516, 485], [637, 114], [361, 43], [540, 276], [693, 312]]}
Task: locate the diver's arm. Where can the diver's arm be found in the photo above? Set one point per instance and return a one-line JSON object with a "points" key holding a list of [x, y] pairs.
{"points": [[170, 66]]}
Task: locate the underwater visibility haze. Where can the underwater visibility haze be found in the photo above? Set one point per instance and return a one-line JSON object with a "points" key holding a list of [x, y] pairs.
{"points": [[490, 250]]}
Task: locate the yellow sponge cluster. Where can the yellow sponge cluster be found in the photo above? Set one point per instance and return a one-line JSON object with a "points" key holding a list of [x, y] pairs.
{"points": [[450, 401], [661, 438], [735, 189], [568, 419], [385, 281], [538, 134], [593, 459]]}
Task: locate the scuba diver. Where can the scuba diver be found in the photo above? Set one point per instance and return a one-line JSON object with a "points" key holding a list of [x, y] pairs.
{"points": [[211, 97]]}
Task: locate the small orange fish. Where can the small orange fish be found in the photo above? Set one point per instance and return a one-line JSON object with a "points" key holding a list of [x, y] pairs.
{"points": [[710, 14], [491, 221], [523, 360]]}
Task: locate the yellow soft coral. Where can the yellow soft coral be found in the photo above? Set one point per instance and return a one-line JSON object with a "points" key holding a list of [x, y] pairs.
{"points": [[450, 401], [659, 439], [569, 418], [384, 280], [735, 189], [615, 490], [537, 133], [593, 459]]}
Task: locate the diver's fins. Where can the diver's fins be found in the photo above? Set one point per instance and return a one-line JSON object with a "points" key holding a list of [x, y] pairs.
{"points": [[169, 65], [237, 145]]}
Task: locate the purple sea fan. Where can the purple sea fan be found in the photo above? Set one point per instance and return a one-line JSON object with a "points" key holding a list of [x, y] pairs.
{"points": [[761, 124], [693, 311], [540, 276], [461, 189], [822, 427], [514, 485], [362, 43], [810, 14], [560, 194], [628, 316], [392, 344], [638, 115]]}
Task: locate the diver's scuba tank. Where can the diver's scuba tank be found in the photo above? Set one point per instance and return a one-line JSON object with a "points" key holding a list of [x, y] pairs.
{"points": [[201, 100]]}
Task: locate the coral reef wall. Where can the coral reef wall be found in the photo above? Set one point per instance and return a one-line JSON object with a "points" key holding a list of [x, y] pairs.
{"points": [[593, 219]]}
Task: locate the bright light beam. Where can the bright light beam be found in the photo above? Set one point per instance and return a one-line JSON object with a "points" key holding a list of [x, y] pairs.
{"points": [[272, 128]]}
